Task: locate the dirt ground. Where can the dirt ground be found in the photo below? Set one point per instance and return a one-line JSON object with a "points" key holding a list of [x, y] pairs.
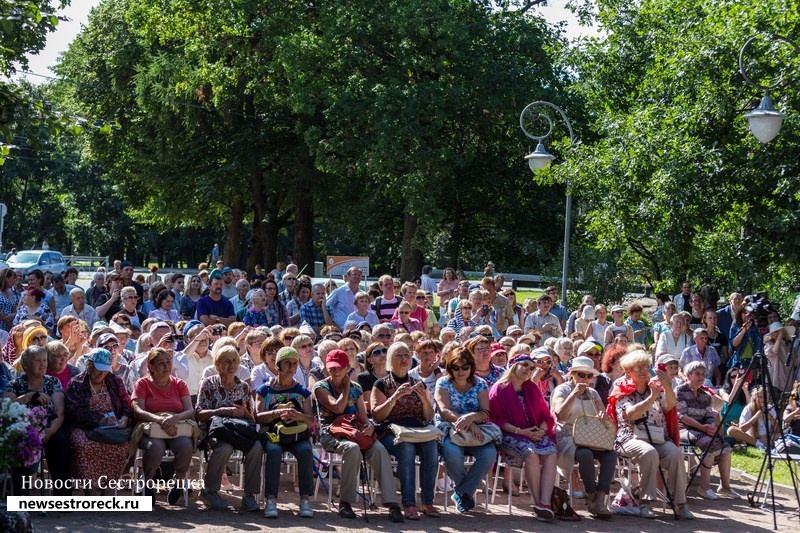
{"points": [[722, 515]]}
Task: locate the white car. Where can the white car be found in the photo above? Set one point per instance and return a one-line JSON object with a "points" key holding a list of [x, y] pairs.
{"points": [[44, 260]]}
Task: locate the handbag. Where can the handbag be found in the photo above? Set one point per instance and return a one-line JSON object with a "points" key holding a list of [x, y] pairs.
{"points": [[414, 435], [351, 427], [654, 436], [593, 432], [241, 433], [559, 502], [155, 431], [109, 435], [490, 431], [290, 432]]}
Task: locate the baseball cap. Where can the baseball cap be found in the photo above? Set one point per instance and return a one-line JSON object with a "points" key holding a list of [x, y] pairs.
{"points": [[337, 359], [101, 359], [105, 337]]}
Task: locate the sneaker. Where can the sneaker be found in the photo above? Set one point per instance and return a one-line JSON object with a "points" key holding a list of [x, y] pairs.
{"points": [[729, 492], [305, 509], [460, 507], [646, 511], [174, 495], [395, 514], [271, 509], [760, 445], [685, 513], [543, 511], [214, 500], [249, 503], [345, 510], [707, 494]]}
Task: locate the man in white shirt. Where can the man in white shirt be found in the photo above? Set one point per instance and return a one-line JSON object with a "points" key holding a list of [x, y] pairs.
{"points": [[78, 308]]}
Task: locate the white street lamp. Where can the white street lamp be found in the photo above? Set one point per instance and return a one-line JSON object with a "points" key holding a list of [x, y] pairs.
{"points": [[539, 159], [765, 121]]}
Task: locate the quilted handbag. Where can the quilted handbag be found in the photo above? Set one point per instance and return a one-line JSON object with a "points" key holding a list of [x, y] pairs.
{"points": [[593, 432]]}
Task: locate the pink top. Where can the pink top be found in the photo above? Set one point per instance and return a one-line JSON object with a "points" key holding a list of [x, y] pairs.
{"points": [[420, 314], [160, 401], [504, 406]]}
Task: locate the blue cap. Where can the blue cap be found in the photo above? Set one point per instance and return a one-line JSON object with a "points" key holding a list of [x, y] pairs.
{"points": [[125, 264], [227, 270], [101, 359], [189, 325]]}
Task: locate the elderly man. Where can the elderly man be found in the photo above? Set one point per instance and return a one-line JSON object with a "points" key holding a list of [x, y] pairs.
{"points": [[341, 301], [383, 333], [727, 315], [289, 283], [542, 321], [239, 301], [316, 312], [97, 289], [215, 308], [291, 270], [79, 309]]}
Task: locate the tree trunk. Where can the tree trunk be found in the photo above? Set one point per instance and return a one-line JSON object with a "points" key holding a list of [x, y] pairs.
{"points": [[456, 235], [233, 239], [411, 258], [303, 245], [256, 254]]}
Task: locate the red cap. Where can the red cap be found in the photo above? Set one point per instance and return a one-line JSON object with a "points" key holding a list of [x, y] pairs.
{"points": [[498, 348], [337, 359]]}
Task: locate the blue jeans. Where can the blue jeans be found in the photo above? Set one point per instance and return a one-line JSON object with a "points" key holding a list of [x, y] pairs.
{"points": [[405, 452], [305, 467], [467, 482]]}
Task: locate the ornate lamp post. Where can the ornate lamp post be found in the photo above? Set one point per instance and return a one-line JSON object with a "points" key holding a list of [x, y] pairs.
{"points": [[540, 158], [765, 121]]}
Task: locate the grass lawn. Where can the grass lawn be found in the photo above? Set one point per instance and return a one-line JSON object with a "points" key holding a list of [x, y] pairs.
{"points": [[750, 461]]}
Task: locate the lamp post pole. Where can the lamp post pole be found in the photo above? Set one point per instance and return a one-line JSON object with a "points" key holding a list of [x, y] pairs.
{"points": [[539, 159], [765, 121]]}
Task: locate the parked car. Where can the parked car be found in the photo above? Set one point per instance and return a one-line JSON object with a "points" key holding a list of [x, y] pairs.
{"points": [[3, 264], [44, 260]]}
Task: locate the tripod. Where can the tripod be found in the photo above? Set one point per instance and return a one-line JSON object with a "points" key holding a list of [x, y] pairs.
{"points": [[767, 465]]}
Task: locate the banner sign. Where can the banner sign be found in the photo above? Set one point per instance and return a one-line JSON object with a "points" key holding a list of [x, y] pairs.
{"points": [[338, 265]]}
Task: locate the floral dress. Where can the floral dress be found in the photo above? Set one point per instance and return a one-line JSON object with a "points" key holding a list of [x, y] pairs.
{"points": [[44, 314]]}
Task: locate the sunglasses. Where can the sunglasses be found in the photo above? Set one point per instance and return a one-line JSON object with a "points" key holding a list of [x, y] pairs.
{"points": [[111, 346], [583, 375], [526, 366], [466, 307], [357, 337], [465, 368], [384, 336], [288, 338], [403, 313], [40, 338], [378, 352], [289, 279], [420, 297], [543, 363], [333, 336]]}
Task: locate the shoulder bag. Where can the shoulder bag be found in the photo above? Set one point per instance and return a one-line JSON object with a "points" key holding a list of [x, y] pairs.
{"points": [[290, 432], [155, 431], [593, 432], [414, 435], [241, 433], [351, 427], [491, 433]]}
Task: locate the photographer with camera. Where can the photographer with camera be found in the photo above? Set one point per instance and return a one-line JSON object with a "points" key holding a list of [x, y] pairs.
{"points": [[744, 336], [162, 336]]}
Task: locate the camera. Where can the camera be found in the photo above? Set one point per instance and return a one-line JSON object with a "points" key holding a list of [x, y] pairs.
{"points": [[759, 306], [218, 330], [178, 338]]}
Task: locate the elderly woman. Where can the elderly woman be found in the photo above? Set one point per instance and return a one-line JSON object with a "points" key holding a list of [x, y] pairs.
{"points": [[518, 407], [129, 299], [397, 398], [36, 389], [362, 312], [351, 348], [163, 399], [272, 409], [33, 306], [644, 410], [338, 395], [256, 314], [164, 310], [57, 363], [462, 401], [267, 369], [569, 401], [96, 398], [463, 316], [699, 424], [375, 364], [224, 394], [404, 321], [675, 340]]}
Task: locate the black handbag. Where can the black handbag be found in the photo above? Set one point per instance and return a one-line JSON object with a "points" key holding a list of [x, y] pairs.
{"points": [[109, 435], [241, 433]]}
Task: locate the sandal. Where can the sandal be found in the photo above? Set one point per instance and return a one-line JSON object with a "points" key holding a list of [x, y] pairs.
{"points": [[430, 511], [410, 513], [513, 490]]}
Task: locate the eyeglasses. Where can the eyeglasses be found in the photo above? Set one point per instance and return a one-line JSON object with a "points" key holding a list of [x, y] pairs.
{"points": [[40, 338], [526, 366], [131, 298], [403, 355], [482, 348], [288, 338], [466, 307], [583, 375], [464, 368], [487, 336], [641, 368], [420, 297], [403, 313], [383, 336], [333, 336], [543, 362], [355, 336], [289, 279], [111, 346], [377, 352]]}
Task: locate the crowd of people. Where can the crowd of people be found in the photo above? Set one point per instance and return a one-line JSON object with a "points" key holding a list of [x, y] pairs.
{"points": [[270, 363]]}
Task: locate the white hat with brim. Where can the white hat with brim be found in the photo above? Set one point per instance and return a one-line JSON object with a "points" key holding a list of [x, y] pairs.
{"points": [[583, 364]]}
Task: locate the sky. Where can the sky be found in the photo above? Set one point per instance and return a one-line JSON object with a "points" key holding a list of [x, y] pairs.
{"points": [[78, 13]]}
